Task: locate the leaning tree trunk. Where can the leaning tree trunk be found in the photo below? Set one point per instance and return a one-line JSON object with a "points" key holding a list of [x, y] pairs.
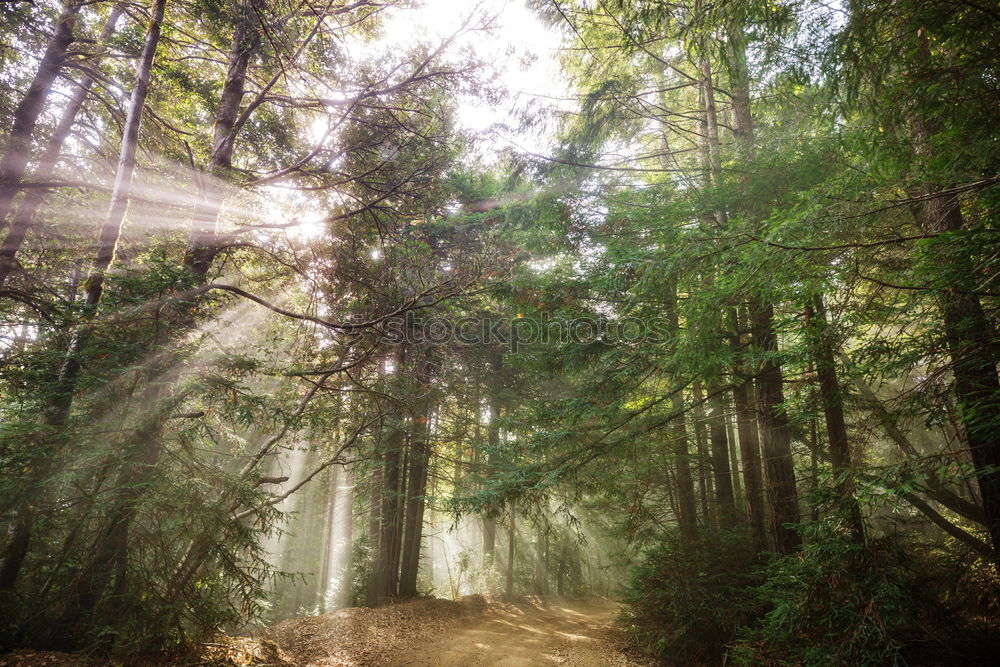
{"points": [[971, 342], [58, 408], [159, 385], [202, 243], [146, 450], [18, 150], [111, 229], [25, 213]]}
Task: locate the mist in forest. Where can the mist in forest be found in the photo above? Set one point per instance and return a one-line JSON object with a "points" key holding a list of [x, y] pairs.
{"points": [[437, 332]]}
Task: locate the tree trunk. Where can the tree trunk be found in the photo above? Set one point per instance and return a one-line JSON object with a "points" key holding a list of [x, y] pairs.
{"points": [[833, 412], [57, 410], [417, 487], [202, 243], [704, 479], [374, 530], [746, 427], [386, 571], [511, 534], [493, 443], [734, 460], [387, 562], [328, 540], [971, 342], [687, 513], [779, 469], [777, 446], [33, 198], [724, 496], [346, 541], [18, 149], [968, 333]]}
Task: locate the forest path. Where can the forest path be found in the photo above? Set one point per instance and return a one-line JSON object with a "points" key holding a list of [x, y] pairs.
{"points": [[558, 632], [467, 632]]}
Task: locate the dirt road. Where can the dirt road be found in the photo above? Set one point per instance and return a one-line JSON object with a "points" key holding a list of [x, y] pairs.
{"points": [[557, 633], [461, 633], [428, 632]]}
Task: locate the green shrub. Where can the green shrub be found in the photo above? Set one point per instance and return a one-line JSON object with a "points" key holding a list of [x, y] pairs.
{"points": [[836, 602], [686, 601]]}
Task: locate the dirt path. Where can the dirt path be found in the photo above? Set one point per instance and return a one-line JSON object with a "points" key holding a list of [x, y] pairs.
{"points": [[422, 633], [461, 633], [557, 633]]}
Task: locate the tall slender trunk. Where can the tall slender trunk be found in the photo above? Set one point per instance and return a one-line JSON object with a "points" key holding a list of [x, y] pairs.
{"points": [[93, 286], [511, 537], [385, 565], [58, 409], [492, 442], [395, 551], [202, 244], [374, 532], [746, 427], [346, 541], [813, 455], [833, 412], [972, 346], [724, 497], [147, 442], [25, 213], [711, 165], [777, 446], [417, 487], [328, 540], [968, 333], [687, 513], [704, 459], [387, 561], [18, 150], [779, 469], [734, 460]]}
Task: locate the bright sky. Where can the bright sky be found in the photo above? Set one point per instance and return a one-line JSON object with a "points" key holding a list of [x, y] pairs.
{"points": [[522, 49]]}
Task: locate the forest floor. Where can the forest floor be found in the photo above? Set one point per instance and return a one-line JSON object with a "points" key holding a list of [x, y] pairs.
{"points": [[423, 633], [464, 633]]}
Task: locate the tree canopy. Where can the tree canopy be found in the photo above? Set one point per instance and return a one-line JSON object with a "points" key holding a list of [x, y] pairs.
{"points": [[282, 333]]}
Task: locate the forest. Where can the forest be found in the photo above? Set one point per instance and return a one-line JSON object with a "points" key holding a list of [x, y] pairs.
{"points": [[680, 310]]}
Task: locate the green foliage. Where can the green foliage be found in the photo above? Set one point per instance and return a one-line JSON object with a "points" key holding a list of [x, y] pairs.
{"points": [[837, 602], [361, 566], [686, 601]]}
